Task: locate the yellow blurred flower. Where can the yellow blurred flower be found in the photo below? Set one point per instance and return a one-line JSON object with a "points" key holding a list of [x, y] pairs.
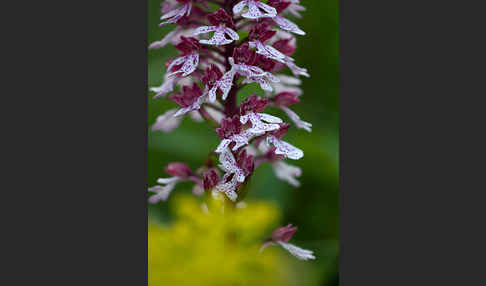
{"points": [[215, 247]]}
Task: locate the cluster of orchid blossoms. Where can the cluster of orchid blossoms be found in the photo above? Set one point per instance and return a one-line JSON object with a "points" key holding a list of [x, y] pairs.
{"points": [[242, 42]]}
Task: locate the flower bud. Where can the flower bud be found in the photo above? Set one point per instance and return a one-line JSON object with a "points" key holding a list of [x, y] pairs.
{"points": [[177, 169], [220, 17], [229, 126], [286, 99], [283, 233], [210, 180], [253, 104], [245, 163]]}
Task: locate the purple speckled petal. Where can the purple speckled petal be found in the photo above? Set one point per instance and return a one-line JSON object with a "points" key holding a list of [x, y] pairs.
{"points": [[271, 12], [228, 188], [176, 14], [262, 78], [225, 83], [212, 93], [269, 118], [239, 7], [287, 25], [167, 122], [190, 64], [204, 30], [163, 192], [223, 145], [254, 12], [295, 8], [194, 106], [241, 139], [218, 38], [176, 62], [228, 164], [249, 71], [232, 34], [258, 127], [296, 119], [300, 253], [284, 148], [286, 172], [268, 51], [295, 69], [167, 39], [227, 161], [166, 87]]}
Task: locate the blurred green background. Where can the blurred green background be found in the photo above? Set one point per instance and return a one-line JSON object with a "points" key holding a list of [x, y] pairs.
{"points": [[313, 207]]}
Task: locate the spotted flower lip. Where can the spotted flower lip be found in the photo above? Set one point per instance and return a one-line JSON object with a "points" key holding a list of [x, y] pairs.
{"points": [[219, 37], [163, 190], [288, 25], [254, 74], [225, 83], [167, 122], [230, 131], [184, 65], [300, 253], [166, 87], [233, 176], [296, 119], [258, 121], [286, 172], [268, 51], [175, 15], [284, 148], [254, 9], [295, 8]]}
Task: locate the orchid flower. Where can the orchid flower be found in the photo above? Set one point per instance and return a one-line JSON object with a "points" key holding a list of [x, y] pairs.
{"points": [[176, 14], [254, 11], [281, 236]]}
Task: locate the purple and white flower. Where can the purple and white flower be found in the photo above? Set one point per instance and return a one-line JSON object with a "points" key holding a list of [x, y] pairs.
{"points": [[261, 122], [167, 121], [286, 172], [284, 148], [166, 87], [229, 166], [296, 119], [295, 7], [267, 51], [176, 14], [188, 65], [281, 236], [288, 25], [162, 192], [255, 8], [219, 37]]}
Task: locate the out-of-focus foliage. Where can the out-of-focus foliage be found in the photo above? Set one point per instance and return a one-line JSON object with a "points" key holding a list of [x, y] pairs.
{"points": [[215, 248]]}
